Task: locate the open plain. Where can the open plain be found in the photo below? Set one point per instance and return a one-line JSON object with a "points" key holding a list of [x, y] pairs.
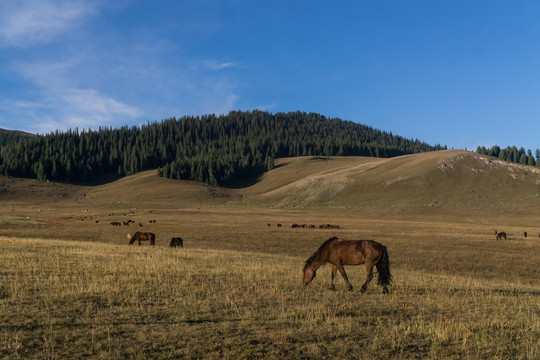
{"points": [[72, 287]]}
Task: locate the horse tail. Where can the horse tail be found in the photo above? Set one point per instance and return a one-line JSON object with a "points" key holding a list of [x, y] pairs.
{"points": [[383, 267], [319, 251]]}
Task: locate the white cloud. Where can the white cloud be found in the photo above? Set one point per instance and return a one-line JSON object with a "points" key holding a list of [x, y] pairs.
{"points": [[96, 108], [66, 96], [216, 65], [28, 22], [62, 102], [72, 108]]}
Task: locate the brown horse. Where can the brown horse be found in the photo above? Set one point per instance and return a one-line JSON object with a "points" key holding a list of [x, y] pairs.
{"points": [[501, 235], [177, 242], [339, 252], [142, 236]]}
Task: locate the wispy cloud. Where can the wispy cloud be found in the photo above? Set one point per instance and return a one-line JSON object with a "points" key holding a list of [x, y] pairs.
{"points": [[28, 22], [94, 107], [72, 108], [216, 97], [216, 65], [59, 103]]}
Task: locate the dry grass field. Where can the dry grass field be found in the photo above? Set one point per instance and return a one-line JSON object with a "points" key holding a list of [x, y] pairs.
{"points": [[71, 287]]}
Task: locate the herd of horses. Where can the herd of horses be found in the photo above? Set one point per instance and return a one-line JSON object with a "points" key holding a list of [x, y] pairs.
{"points": [[140, 236], [310, 226], [335, 251], [502, 235], [126, 223]]}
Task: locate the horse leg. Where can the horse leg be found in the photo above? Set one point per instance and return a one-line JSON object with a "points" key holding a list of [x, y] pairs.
{"points": [[344, 274], [334, 269], [369, 270]]}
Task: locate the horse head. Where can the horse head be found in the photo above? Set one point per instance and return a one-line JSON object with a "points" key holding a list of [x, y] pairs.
{"points": [[131, 239], [309, 274]]}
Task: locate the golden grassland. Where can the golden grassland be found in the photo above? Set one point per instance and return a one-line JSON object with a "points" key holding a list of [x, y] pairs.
{"points": [[238, 294], [71, 287]]}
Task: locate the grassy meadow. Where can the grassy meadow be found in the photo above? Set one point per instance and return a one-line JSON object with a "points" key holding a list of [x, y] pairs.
{"points": [[461, 297], [71, 286]]}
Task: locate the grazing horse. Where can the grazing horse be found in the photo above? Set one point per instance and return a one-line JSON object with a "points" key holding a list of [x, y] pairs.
{"points": [[177, 242], [501, 235], [142, 236], [339, 252]]}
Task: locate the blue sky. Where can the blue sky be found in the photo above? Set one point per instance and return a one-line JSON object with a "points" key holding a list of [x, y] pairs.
{"points": [[457, 73]]}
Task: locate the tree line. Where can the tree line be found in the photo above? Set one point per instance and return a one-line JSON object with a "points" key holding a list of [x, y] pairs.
{"points": [[512, 154], [218, 150]]}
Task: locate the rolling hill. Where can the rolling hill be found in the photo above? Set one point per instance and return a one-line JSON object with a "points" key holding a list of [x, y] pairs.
{"points": [[434, 179], [441, 178]]}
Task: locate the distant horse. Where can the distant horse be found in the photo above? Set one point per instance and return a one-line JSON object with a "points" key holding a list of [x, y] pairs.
{"points": [[142, 236], [177, 242], [339, 252], [501, 235]]}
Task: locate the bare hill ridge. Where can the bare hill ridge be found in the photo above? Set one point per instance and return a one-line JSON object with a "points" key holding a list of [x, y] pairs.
{"points": [[441, 178]]}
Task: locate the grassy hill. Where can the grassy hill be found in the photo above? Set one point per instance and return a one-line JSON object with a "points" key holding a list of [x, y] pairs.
{"points": [[433, 179], [441, 178]]}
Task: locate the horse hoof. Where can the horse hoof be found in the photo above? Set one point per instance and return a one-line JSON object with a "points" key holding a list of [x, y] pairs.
{"points": [[385, 291], [363, 289], [350, 288], [332, 288]]}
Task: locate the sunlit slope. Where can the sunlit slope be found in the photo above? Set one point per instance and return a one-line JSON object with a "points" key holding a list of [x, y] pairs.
{"points": [[440, 178]]}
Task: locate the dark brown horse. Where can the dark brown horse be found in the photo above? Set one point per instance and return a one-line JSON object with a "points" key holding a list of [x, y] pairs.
{"points": [[501, 235], [142, 236], [177, 242], [339, 252]]}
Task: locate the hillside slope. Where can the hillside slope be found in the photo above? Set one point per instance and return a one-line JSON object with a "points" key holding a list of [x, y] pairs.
{"points": [[153, 191], [451, 177], [441, 178]]}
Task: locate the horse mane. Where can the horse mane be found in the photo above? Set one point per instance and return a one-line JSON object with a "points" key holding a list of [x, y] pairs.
{"points": [[319, 251]]}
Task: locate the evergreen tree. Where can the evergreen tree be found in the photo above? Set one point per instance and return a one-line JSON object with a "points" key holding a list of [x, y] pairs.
{"points": [[530, 158], [523, 158]]}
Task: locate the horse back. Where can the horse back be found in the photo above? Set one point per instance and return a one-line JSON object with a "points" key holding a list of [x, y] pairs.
{"points": [[144, 236], [354, 252]]}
